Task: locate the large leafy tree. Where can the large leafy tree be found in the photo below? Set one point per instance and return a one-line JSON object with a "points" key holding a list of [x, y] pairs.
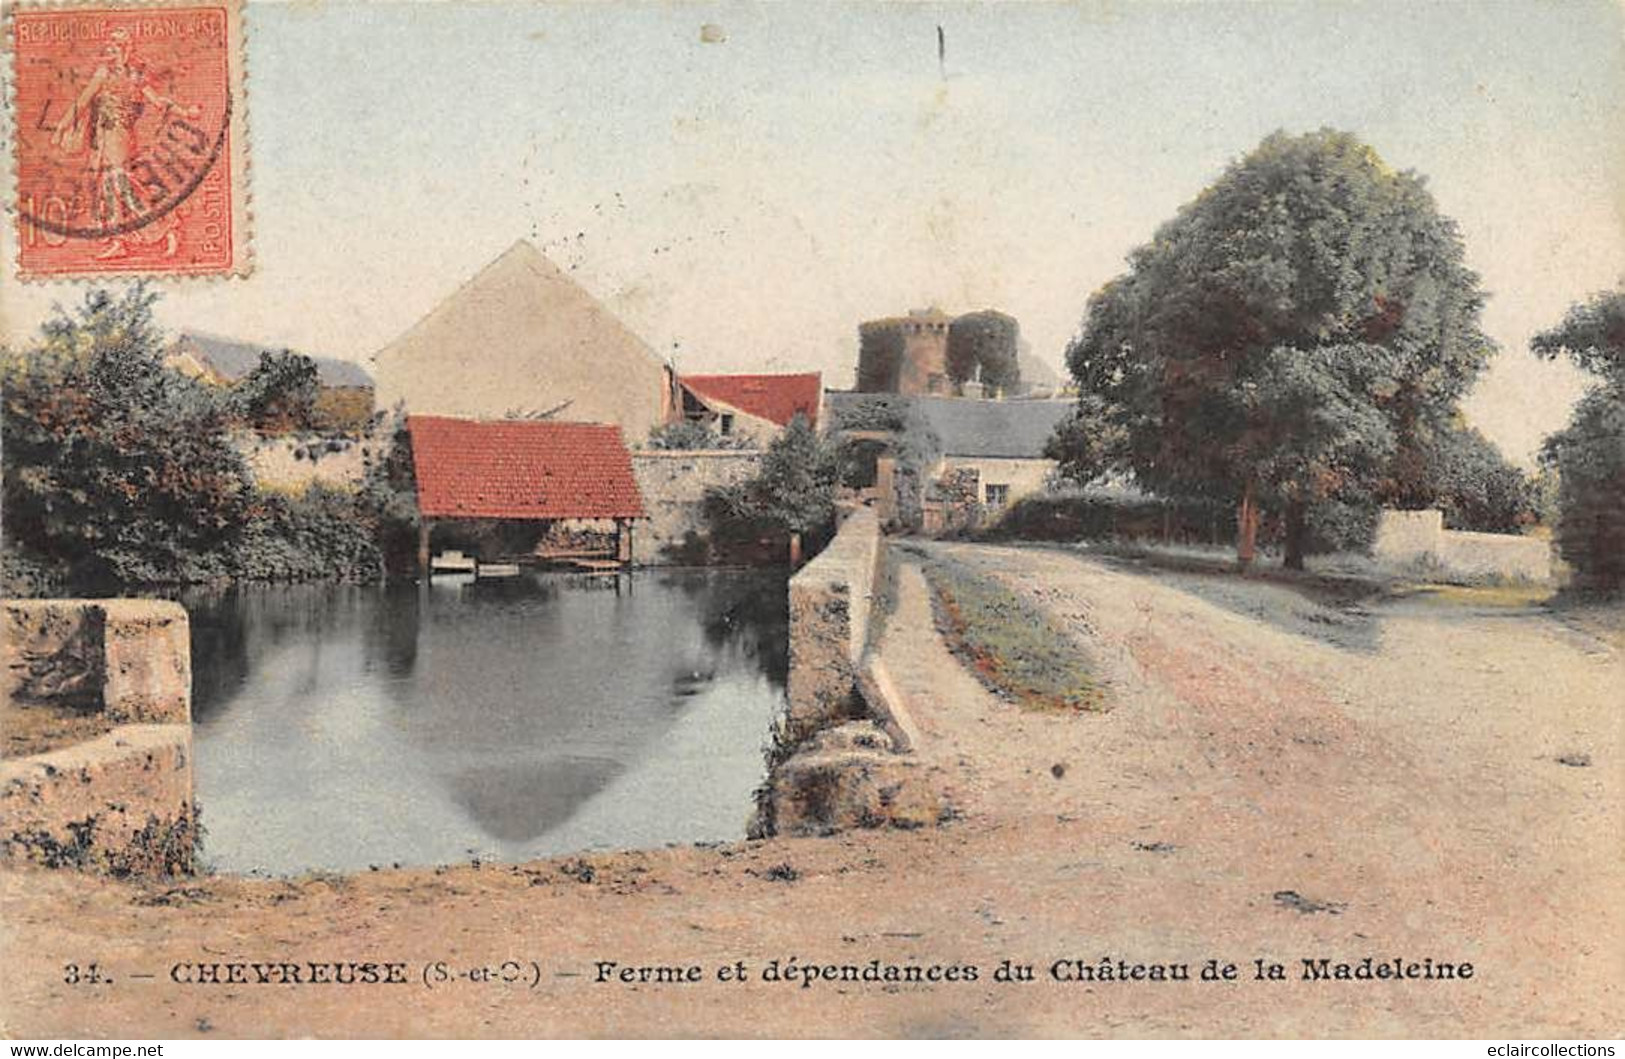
{"points": [[1283, 342], [1589, 454]]}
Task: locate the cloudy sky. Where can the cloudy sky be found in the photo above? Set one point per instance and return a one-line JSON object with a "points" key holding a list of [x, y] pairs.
{"points": [[743, 196]]}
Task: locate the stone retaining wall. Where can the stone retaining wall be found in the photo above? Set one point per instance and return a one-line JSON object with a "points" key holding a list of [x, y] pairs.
{"points": [[122, 800], [674, 485], [849, 730], [830, 602]]}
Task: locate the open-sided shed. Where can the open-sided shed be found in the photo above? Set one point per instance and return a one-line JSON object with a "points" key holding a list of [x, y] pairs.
{"points": [[535, 471]]}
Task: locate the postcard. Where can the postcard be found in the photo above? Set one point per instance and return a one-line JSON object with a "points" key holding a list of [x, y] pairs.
{"points": [[933, 520]]}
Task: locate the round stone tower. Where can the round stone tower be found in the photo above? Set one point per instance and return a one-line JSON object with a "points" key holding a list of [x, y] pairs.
{"points": [[905, 354]]}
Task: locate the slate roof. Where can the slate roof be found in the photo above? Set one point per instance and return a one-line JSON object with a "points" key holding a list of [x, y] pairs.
{"points": [[777, 398], [1012, 429], [521, 469], [234, 359]]}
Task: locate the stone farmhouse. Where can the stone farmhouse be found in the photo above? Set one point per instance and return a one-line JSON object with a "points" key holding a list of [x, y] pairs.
{"points": [[973, 457], [523, 340], [995, 446]]}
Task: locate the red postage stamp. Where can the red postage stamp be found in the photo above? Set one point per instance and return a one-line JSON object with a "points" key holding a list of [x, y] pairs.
{"points": [[130, 143]]}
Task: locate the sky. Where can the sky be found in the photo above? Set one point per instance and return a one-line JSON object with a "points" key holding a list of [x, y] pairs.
{"points": [[743, 195]]}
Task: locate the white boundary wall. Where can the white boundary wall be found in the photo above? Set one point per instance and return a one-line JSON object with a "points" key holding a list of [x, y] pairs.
{"points": [[1412, 539]]}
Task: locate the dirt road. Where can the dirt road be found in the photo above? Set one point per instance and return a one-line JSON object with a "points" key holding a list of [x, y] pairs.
{"points": [[1277, 781]]}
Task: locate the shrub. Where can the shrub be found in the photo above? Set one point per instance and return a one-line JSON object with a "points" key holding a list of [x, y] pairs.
{"points": [[794, 492], [115, 466], [1097, 517], [322, 535], [120, 471], [691, 435], [1589, 454]]}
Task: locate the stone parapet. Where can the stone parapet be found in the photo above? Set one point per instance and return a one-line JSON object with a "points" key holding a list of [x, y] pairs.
{"points": [[830, 603], [120, 803], [848, 733], [129, 659], [119, 670]]}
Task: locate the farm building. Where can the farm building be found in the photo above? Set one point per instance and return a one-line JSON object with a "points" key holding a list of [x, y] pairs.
{"points": [[523, 490]]}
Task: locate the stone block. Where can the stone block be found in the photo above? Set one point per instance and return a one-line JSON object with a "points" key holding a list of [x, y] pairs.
{"points": [[849, 778], [120, 803]]}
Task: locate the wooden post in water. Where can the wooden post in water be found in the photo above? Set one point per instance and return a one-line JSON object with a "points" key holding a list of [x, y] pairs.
{"points": [[623, 541]]}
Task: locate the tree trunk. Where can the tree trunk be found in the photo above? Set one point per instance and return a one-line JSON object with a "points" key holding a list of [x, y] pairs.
{"points": [[1297, 532], [795, 551], [1247, 528]]}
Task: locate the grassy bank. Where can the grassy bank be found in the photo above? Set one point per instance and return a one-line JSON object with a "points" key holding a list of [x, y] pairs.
{"points": [[1015, 648]]}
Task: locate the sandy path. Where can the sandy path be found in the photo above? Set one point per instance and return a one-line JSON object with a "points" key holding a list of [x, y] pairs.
{"points": [[1411, 789]]}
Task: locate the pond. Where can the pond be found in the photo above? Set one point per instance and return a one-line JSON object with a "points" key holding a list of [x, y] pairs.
{"points": [[341, 727]]}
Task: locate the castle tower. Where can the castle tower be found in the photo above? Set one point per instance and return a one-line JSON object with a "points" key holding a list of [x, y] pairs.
{"points": [[905, 354]]}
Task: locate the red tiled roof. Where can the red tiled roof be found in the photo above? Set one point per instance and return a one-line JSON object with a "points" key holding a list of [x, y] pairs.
{"points": [[777, 398], [520, 469]]}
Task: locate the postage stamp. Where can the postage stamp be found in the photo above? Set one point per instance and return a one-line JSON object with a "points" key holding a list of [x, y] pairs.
{"points": [[130, 141]]}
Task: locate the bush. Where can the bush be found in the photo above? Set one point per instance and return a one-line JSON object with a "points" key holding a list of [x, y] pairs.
{"points": [[1589, 456], [115, 466], [691, 435], [794, 492], [1475, 486], [321, 535], [1094, 517], [279, 396]]}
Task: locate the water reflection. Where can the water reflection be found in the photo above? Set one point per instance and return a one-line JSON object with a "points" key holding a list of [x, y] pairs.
{"points": [[340, 726]]}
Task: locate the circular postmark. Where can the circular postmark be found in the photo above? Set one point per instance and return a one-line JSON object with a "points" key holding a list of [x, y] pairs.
{"points": [[120, 122]]}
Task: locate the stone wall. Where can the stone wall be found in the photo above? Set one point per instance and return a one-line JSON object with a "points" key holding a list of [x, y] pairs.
{"points": [[830, 602], [101, 691], [1417, 542], [848, 736], [673, 485], [293, 463], [1496, 557]]}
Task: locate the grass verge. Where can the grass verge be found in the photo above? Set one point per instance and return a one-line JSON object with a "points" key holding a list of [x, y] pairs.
{"points": [[1013, 647]]}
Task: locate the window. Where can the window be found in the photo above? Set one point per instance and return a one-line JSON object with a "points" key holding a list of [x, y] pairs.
{"points": [[997, 495], [727, 424]]}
